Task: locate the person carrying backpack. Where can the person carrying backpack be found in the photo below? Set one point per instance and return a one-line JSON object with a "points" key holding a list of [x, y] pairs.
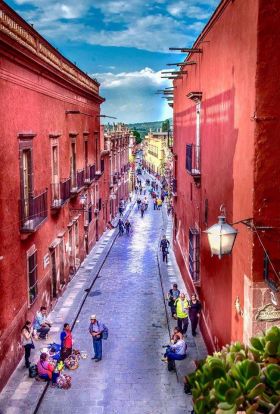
{"points": [[98, 331]]}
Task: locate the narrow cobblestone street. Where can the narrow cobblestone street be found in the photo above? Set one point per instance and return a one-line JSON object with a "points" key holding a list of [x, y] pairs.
{"points": [[127, 296]]}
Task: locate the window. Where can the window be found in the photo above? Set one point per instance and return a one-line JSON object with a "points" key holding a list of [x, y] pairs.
{"points": [[26, 180], [194, 254], [32, 277], [73, 165], [86, 153], [89, 213], [55, 175]]}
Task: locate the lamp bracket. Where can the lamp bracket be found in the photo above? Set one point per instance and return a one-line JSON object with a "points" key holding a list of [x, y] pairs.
{"points": [[249, 222]]}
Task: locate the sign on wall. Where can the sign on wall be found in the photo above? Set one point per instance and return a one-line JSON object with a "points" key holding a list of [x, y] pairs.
{"points": [[268, 313]]}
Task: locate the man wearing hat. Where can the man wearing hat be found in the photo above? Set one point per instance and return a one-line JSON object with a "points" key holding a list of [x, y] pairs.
{"points": [[95, 329]]}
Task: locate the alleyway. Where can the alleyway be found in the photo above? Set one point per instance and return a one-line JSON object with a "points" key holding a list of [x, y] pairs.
{"points": [[127, 296]]}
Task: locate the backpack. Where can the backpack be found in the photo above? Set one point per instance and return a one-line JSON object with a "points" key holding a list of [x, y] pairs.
{"points": [[33, 371], [105, 332]]}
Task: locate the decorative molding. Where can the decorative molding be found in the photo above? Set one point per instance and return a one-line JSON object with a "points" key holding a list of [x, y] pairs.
{"points": [[26, 135], [29, 39], [54, 135]]}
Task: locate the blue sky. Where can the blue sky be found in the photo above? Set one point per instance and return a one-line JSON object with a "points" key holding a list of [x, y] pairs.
{"points": [[122, 43]]}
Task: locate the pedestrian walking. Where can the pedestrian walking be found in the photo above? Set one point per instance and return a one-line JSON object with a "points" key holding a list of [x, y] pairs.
{"points": [[66, 342], [142, 209], [169, 209], [164, 245], [41, 325], [95, 329], [159, 203], [146, 202], [172, 296], [140, 190], [121, 227], [181, 305], [194, 312], [127, 227], [138, 203], [155, 203], [27, 342]]}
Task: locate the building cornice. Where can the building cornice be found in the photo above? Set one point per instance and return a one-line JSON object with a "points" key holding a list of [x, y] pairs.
{"points": [[15, 32]]}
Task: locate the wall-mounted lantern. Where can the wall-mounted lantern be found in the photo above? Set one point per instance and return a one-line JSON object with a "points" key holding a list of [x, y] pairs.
{"points": [[221, 237]]}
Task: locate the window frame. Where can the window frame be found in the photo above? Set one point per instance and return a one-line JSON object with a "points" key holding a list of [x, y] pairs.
{"points": [[32, 252], [194, 255]]}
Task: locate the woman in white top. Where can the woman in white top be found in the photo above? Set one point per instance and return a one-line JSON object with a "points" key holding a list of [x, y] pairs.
{"points": [[26, 340]]}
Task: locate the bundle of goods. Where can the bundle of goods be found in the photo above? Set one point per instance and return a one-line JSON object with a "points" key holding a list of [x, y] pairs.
{"points": [[60, 366], [84, 354], [77, 353], [72, 362], [64, 381], [54, 351]]}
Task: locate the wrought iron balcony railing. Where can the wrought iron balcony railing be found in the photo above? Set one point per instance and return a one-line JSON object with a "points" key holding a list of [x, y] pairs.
{"points": [[60, 193], [79, 182], [33, 211], [193, 161], [90, 174]]}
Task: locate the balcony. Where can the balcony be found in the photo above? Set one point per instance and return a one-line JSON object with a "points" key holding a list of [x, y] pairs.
{"points": [[33, 211], [90, 174], [193, 162], [79, 182], [60, 193]]}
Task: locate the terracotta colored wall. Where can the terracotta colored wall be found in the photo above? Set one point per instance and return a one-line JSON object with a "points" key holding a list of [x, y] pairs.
{"points": [[225, 74], [35, 102]]}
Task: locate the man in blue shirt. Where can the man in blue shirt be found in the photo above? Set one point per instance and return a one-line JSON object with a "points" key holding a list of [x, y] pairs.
{"points": [[95, 329], [41, 324]]}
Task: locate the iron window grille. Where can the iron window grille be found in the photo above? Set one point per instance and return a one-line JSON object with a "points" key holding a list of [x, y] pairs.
{"points": [[194, 255], [32, 278]]}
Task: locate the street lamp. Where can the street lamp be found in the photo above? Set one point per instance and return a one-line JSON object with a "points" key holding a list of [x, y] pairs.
{"points": [[221, 237]]}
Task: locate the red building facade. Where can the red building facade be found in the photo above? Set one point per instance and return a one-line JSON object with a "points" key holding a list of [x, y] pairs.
{"points": [[117, 142], [54, 176], [226, 151]]}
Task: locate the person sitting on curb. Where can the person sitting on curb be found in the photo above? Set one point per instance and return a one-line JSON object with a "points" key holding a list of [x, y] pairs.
{"points": [[176, 351], [177, 332], [46, 370], [41, 325]]}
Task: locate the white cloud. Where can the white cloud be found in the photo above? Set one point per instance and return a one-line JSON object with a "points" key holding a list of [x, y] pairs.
{"points": [[149, 25], [131, 95], [194, 9]]}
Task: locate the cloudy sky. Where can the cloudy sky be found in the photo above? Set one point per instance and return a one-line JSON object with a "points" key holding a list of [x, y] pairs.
{"points": [[122, 43]]}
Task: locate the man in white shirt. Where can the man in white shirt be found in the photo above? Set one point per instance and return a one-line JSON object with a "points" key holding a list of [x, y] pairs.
{"points": [[176, 351]]}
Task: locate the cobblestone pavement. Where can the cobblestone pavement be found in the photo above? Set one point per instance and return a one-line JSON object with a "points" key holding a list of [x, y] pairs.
{"points": [[127, 296]]}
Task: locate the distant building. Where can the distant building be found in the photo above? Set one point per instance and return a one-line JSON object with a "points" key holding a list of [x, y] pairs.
{"points": [[118, 140], [156, 153], [54, 176], [226, 151]]}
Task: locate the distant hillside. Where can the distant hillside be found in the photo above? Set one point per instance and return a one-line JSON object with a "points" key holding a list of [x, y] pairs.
{"points": [[144, 127]]}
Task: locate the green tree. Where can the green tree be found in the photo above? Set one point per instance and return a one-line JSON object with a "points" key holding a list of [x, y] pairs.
{"points": [[165, 126], [137, 136]]}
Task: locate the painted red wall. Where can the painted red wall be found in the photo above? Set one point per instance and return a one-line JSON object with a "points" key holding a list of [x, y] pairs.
{"points": [[225, 73], [35, 99]]}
